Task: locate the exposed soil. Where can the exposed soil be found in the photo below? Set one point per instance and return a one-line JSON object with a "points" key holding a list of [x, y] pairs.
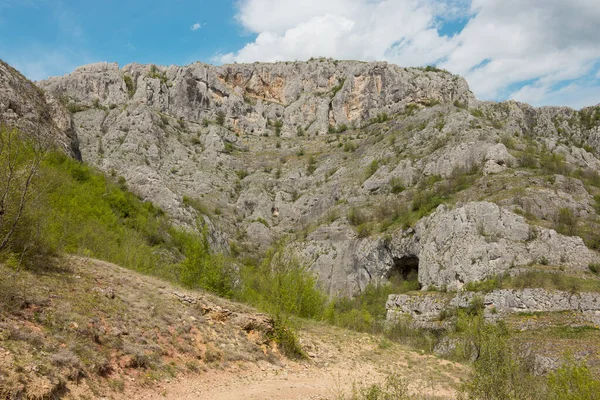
{"points": [[91, 329], [339, 360]]}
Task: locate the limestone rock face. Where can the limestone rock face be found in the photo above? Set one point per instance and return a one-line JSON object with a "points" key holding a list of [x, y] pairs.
{"points": [[307, 96], [429, 306], [479, 240], [35, 112], [349, 160]]}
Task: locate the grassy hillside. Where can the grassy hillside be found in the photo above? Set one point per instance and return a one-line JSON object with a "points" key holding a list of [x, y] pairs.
{"points": [[64, 320]]}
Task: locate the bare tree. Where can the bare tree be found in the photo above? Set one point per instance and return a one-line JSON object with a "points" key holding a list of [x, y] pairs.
{"points": [[20, 160]]}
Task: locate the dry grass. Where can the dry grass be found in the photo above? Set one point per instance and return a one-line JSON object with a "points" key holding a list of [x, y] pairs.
{"points": [[93, 322]]}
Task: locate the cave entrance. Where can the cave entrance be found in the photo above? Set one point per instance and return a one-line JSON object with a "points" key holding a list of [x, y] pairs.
{"points": [[404, 268]]}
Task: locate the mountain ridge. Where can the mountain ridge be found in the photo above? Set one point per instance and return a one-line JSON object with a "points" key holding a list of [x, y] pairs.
{"points": [[239, 141]]}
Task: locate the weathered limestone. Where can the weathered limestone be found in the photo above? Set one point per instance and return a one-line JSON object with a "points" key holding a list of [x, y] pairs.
{"points": [[428, 306]]}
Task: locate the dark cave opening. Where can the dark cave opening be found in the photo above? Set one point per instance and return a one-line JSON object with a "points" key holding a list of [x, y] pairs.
{"points": [[405, 268]]}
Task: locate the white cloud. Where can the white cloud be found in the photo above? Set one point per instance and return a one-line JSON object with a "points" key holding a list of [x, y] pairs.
{"points": [[544, 40], [196, 26], [401, 30], [505, 44], [575, 95]]}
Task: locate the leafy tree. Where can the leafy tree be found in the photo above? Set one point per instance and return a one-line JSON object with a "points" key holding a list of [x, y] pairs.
{"points": [[20, 160]]}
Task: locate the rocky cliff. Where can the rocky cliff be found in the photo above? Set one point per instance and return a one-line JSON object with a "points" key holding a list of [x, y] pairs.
{"points": [[350, 161], [35, 112]]}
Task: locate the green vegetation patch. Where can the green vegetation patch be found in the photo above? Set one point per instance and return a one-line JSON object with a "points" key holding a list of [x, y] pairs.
{"points": [[536, 279]]}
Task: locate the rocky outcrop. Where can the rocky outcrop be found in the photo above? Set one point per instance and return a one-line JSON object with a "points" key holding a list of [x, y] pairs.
{"points": [[293, 149], [471, 242], [25, 106], [306, 96], [429, 306], [478, 240]]}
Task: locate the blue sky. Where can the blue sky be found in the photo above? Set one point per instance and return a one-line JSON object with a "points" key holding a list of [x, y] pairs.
{"points": [[52, 37], [544, 52]]}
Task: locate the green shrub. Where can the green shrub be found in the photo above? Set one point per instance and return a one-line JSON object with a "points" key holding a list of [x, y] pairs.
{"points": [[485, 286], [566, 222], [356, 217], [75, 108], [476, 112], [200, 268], [285, 336], [350, 147], [459, 104], [430, 102], [573, 381], [87, 214], [393, 388], [155, 73], [241, 173], [196, 204], [220, 119], [262, 221], [312, 165], [129, 85], [280, 285], [397, 185], [366, 312], [21, 176], [589, 117], [364, 230], [528, 157], [498, 372], [432, 68], [278, 124], [338, 87], [379, 118], [372, 168], [553, 163], [508, 141]]}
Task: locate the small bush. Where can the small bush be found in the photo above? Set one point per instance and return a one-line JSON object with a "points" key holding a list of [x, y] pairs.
{"points": [[200, 268], [338, 87], [393, 388], [155, 73], [396, 185], [477, 113], [498, 372], [350, 147], [356, 216], [285, 336], [573, 381], [129, 85], [372, 168], [379, 118], [528, 158], [280, 285], [278, 124], [311, 166], [241, 173], [566, 222], [220, 118]]}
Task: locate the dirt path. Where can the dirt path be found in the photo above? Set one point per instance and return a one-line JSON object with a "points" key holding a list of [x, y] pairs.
{"points": [[340, 359]]}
